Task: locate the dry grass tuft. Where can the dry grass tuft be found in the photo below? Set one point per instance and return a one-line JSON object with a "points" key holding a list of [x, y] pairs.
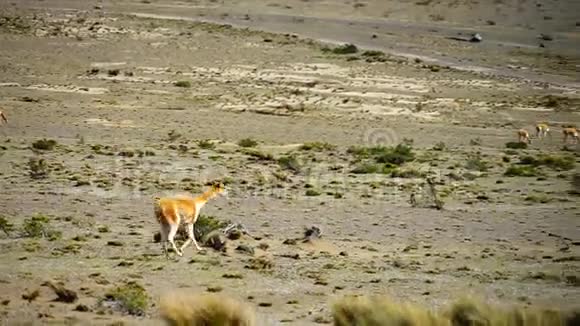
{"points": [[375, 311], [180, 308], [473, 312]]}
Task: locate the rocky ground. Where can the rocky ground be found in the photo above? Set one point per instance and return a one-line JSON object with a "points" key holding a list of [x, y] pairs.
{"points": [[110, 106]]}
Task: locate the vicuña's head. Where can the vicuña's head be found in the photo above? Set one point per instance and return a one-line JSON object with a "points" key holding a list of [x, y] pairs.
{"points": [[218, 188]]}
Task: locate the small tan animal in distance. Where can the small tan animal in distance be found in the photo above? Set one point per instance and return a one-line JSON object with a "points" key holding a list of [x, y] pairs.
{"points": [[524, 136], [171, 212], [3, 117], [570, 132], [542, 130]]}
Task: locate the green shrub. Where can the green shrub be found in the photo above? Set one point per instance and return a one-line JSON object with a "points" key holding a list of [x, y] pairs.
{"points": [[369, 168], [259, 155], [476, 163], [342, 49], [6, 226], [521, 171], [44, 144], [397, 155], [407, 173], [183, 83], [317, 146], [373, 53], [38, 169], [312, 192], [440, 146], [290, 162], [247, 142], [206, 224], [516, 145], [205, 144], [560, 163], [131, 298], [538, 199], [36, 226]]}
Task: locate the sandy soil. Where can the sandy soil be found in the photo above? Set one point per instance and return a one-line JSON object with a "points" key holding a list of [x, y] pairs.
{"points": [[99, 78]]}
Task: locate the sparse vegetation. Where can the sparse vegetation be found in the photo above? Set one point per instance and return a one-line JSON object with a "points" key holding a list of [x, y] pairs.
{"points": [[312, 192], [206, 224], [440, 146], [407, 173], [37, 226], [181, 308], [131, 298], [183, 83], [538, 198], [342, 49], [259, 155], [521, 171], [369, 167], [44, 144], [205, 144], [38, 169], [317, 146], [397, 155], [247, 142], [516, 145], [476, 163], [290, 162], [555, 162], [6, 226]]}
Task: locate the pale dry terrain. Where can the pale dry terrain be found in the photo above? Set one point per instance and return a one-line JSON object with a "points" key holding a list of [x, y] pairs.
{"points": [[140, 106]]}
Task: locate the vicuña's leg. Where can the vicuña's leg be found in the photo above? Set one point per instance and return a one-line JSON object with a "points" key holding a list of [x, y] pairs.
{"points": [[192, 236], [164, 236], [189, 228], [172, 232]]}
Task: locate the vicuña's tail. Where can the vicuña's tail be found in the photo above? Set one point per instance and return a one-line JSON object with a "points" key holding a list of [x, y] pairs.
{"points": [[157, 209]]}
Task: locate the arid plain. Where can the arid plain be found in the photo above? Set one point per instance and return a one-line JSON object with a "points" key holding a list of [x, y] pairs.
{"points": [[112, 103]]}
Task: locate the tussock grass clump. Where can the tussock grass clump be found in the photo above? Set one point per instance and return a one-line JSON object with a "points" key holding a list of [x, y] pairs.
{"points": [[37, 226], [181, 309], [205, 144], [402, 153], [472, 312], [290, 162], [381, 311], [131, 298], [44, 144], [540, 198], [521, 171], [369, 167], [206, 224], [247, 142], [516, 145], [5, 225], [259, 155], [555, 162], [317, 146], [38, 168], [183, 83], [312, 192], [476, 163], [342, 49]]}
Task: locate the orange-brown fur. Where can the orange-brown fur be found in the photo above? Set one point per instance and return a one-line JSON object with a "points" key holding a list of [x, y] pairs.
{"points": [[171, 212], [524, 136], [3, 116], [570, 132]]}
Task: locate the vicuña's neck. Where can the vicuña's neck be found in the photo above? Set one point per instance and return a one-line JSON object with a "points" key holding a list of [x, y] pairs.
{"points": [[205, 197]]}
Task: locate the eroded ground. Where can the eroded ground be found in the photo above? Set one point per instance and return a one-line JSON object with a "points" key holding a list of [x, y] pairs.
{"points": [[141, 107]]}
